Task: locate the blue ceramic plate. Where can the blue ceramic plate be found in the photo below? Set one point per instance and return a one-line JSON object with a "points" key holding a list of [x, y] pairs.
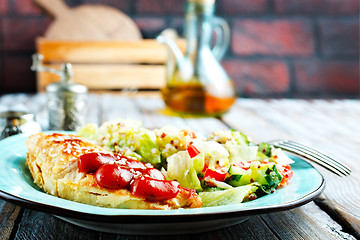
{"points": [[16, 185]]}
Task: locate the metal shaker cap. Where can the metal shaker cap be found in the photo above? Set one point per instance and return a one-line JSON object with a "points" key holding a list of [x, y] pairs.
{"points": [[15, 122], [9, 116], [66, 84]]}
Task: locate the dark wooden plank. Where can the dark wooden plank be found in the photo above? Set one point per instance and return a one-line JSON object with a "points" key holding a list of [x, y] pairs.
{"points": [[254, 228], [248, 118], [38, 225], [322, 124], [301, 219], [258, 118], [337, 134], [8, 216], [307, 222]]}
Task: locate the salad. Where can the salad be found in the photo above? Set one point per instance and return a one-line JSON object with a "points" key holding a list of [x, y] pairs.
{"points": [[224, 167]]}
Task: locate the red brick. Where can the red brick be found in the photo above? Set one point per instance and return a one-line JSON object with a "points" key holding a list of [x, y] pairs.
{"points": [[258, 77], [17, 74], [339, 38], [1, 36], [333, 77], [27, 7], [242, 6], [317, 6], [19, 33], [160, 7], [150, 26], [278, 37], [1, 73], [4, 7]]}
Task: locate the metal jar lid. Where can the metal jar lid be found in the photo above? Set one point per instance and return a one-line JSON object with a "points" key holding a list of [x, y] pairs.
{"points": [[15, 122], [66, 84]]}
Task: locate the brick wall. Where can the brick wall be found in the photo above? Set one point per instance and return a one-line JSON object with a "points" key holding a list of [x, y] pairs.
{"points": [[290, 48]]}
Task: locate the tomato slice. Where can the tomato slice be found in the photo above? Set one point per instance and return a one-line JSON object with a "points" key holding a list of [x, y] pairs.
{"points": [[206, 166], [286, 173], [153, 189], [153, 173], [118, 172], [218, 175], [113, 176], [192, 150], [135, 164], [90, 162]]}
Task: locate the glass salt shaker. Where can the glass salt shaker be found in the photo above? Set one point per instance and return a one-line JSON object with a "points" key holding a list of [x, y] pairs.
{"points": [[66, 99]]}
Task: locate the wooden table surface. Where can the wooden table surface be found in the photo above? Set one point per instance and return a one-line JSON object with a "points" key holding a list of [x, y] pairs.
{"points": [[330, 125]]}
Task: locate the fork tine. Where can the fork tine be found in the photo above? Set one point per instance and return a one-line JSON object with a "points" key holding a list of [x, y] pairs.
{"points": [[314, 157], [313, 151], [321, 154]]}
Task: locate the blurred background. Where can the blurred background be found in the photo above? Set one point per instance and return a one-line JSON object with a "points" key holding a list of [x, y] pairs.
{"points": [[279, 48]]}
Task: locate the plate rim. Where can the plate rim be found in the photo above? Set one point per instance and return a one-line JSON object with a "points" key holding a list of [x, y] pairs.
{"points": [[158, 218], [129, 218]]}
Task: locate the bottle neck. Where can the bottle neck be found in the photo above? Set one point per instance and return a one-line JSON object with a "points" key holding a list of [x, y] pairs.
{"points": [[198, 27]]}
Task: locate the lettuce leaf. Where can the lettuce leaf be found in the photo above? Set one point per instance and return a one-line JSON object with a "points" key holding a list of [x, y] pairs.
{"points": [[229, 196], [239, 153], [125, 136], [184, 169], [147, 148], [213, 152]]}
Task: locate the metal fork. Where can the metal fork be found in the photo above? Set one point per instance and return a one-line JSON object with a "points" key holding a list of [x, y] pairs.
{"points": [[314, 155]]}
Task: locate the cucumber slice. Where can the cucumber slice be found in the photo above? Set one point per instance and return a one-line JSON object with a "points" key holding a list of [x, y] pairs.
{"points": [[233, 170], [266, 175], [265, 149]]}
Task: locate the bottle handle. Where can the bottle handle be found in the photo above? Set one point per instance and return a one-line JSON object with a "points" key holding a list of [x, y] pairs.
{"points": [[222, 41]]}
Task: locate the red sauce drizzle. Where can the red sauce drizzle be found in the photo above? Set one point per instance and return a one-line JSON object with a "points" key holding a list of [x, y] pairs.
{"points": [[114, 171]]}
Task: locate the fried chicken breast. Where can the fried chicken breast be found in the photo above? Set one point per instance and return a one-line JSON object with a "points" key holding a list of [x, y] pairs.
{"points": [[53, 163]]}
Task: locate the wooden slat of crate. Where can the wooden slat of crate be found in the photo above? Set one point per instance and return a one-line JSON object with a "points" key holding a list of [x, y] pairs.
{"points": [[103, 65], [143, 51], [110, 76]]}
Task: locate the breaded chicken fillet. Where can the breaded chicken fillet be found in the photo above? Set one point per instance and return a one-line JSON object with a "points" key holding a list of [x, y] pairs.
{"points": [[53, 163]]}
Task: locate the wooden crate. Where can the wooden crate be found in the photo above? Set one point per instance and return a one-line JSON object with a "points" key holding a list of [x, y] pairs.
{"points": [[106, 65]]}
